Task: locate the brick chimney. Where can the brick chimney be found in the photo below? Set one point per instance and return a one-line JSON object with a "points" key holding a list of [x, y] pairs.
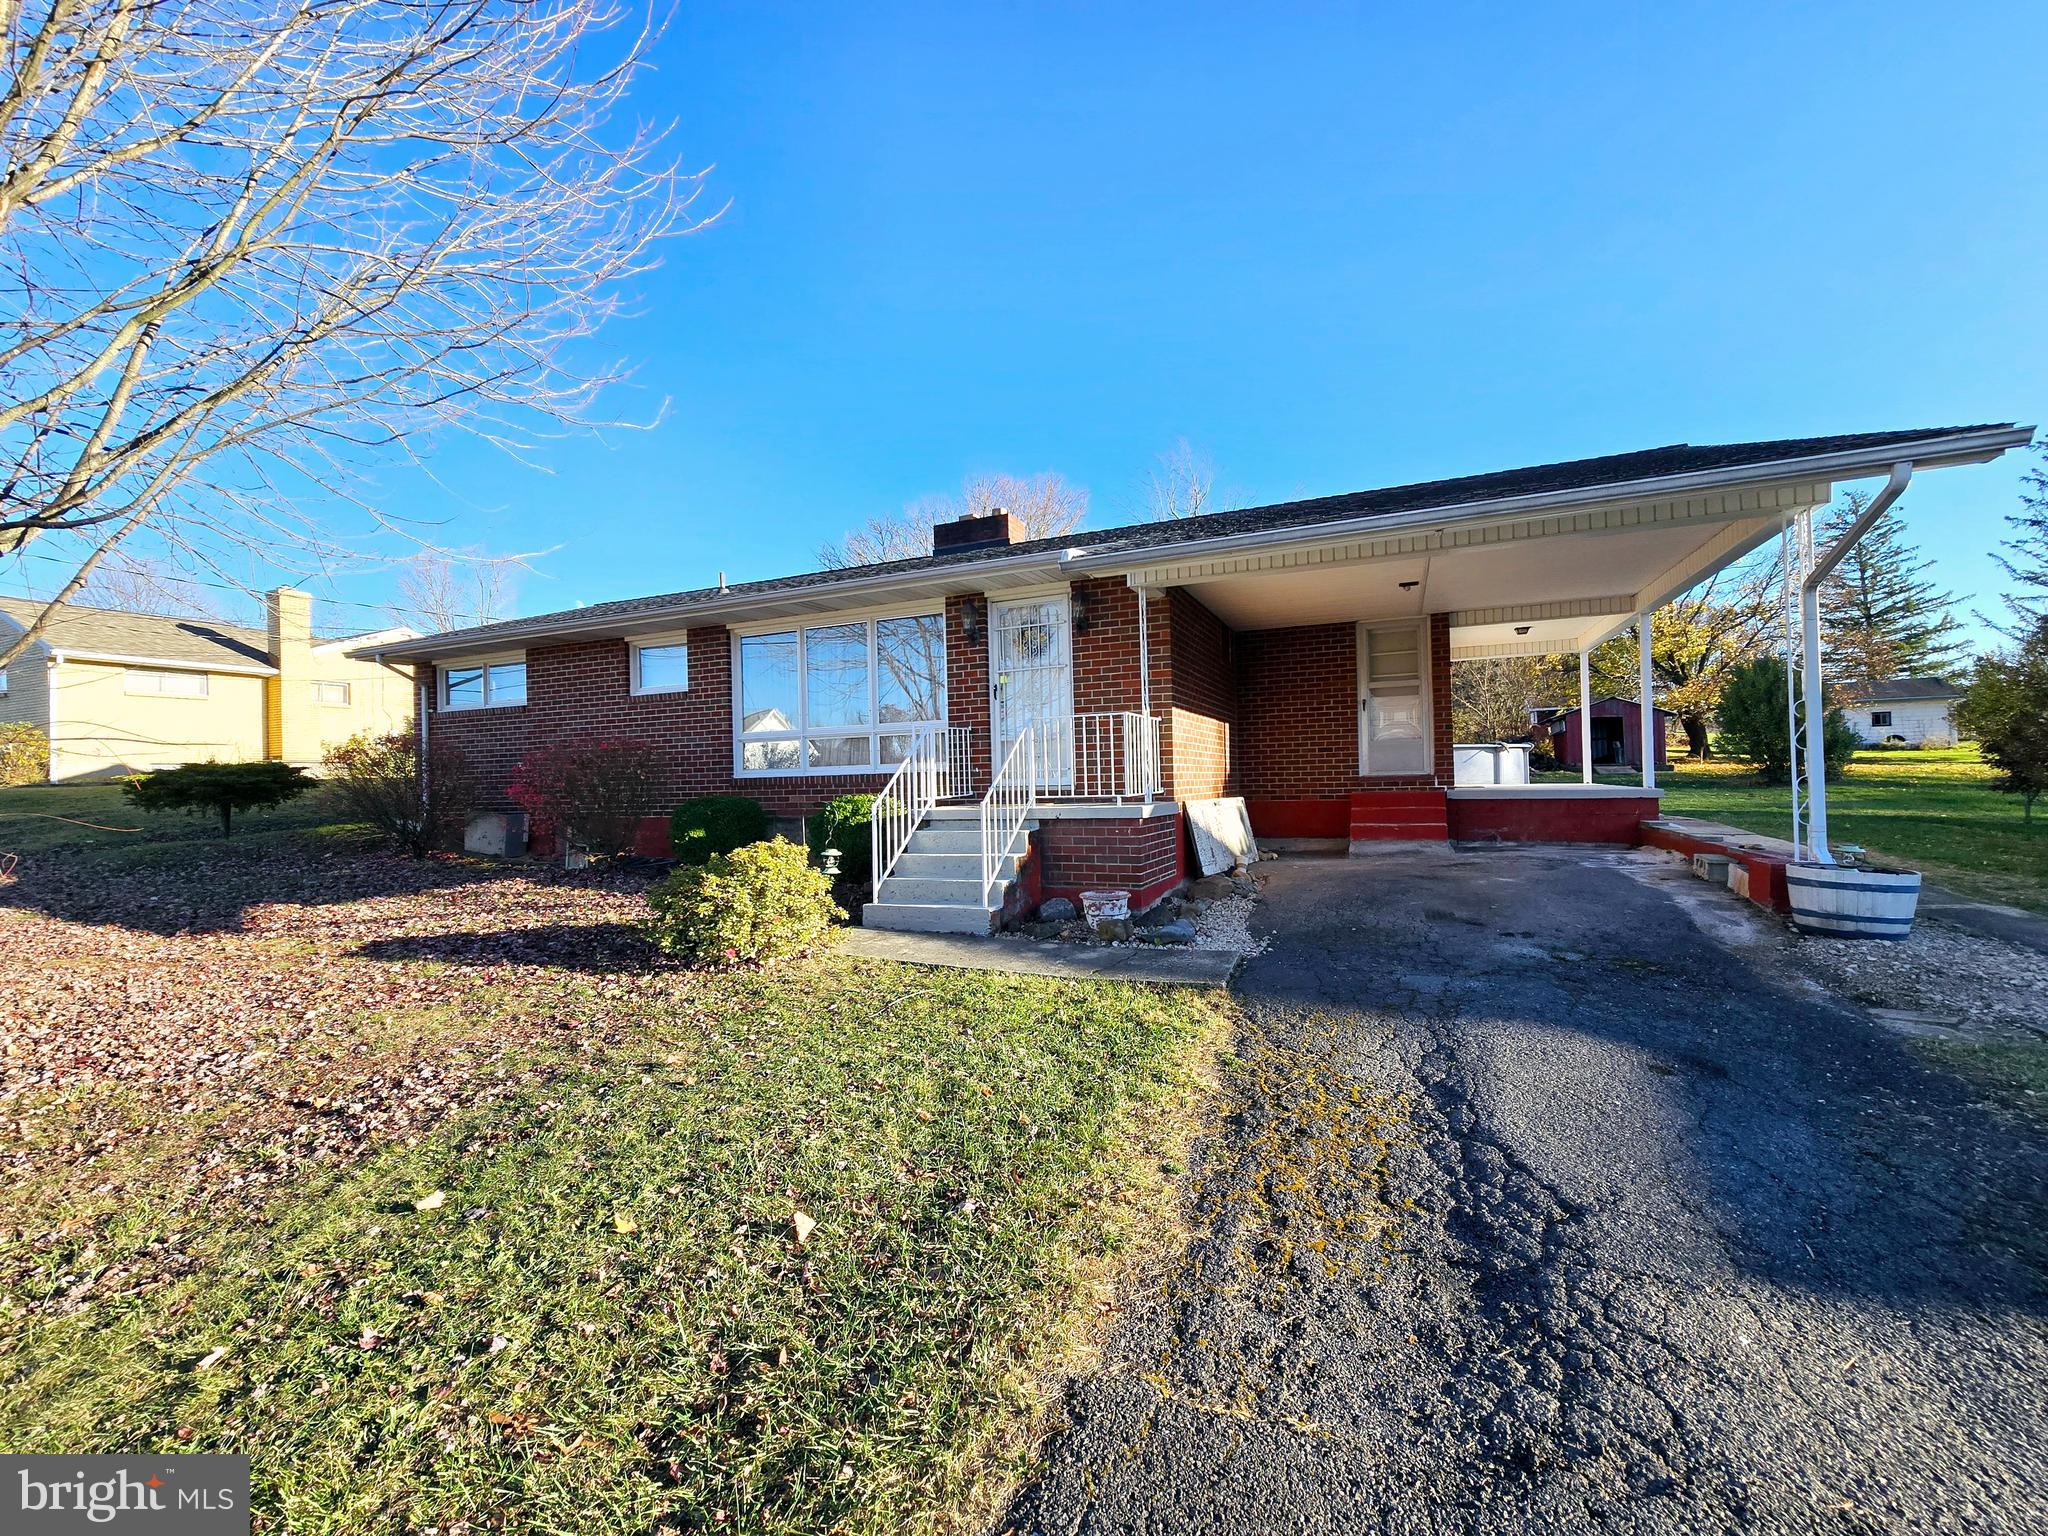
{"points": [[983, 531], [291, 734]]}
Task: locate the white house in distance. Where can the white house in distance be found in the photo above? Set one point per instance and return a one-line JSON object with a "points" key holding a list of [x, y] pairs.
{"points": [[1904, 711]]}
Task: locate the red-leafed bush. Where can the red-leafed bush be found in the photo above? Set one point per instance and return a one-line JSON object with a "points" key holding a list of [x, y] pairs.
{"points": [[593, 790]]}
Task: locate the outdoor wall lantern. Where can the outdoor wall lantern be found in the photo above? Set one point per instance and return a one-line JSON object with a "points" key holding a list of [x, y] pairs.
{"points": [[973, 614], [1081, 613]]}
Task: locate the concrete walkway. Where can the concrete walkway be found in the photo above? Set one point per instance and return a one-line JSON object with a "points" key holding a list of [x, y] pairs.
{"points": [[1160, 965], [1989, 918], [1546, 1202]]}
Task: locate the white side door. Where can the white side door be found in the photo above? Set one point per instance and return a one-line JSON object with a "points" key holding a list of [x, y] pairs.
{"points": [[1031, 682], [1393, 700]]}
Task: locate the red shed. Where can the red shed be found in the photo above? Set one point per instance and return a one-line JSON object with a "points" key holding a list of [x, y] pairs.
{"points": [[1617, 735]]}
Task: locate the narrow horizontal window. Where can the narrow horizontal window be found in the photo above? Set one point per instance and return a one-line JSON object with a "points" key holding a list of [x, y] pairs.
{"points": [[168, 685], [331, 693], [662, 668]]}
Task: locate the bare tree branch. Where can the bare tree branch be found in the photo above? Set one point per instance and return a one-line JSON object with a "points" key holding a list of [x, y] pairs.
{"points": [[1046, 504], [263, 246]]}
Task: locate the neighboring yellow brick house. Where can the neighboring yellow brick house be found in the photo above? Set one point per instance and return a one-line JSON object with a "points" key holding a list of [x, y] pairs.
{"points": [[122, 692]]}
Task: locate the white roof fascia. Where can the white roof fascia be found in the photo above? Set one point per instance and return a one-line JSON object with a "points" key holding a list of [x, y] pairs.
{"points": [[736, 608], [166, 663], [1931, 453]]}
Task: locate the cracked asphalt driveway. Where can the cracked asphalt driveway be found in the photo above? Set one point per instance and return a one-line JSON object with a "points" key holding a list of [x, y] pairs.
{"points": [[1546, 1203]]}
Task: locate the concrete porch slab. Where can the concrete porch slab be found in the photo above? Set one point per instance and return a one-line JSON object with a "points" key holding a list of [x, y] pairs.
{"points": [[1025, 957]]}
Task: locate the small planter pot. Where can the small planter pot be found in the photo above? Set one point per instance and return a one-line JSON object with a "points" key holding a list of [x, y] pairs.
{"points": [[1847, 902]]}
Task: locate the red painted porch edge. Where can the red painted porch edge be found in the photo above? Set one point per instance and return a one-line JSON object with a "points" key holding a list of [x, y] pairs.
{"points": [[1766, 870]]}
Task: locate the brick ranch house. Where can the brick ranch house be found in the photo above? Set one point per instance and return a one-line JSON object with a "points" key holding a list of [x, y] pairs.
{"points": [[1041, 711]]}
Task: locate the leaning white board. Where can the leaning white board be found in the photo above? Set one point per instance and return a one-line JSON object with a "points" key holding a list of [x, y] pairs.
{"points": [[1222, 830]]}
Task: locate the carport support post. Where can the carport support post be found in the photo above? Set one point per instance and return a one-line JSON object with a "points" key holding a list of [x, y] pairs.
{"points": [[1816, 729], [1586, 716], [1643, 682]]}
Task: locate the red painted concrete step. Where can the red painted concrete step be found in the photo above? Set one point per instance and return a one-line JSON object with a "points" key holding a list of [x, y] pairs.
{"points": [[1400, 815]]}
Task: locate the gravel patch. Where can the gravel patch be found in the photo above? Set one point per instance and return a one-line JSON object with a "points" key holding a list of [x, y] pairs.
{"points": [[1986, 987], [1226, 925]]}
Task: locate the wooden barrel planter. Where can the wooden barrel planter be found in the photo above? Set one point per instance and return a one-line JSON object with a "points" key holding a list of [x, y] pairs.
{"points": [[1848, 902]]}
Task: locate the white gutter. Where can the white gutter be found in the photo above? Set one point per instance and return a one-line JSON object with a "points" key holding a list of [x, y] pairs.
{"points": [[1960, 448], [1968, 448], [709, 610], [166, 663], [1809, 621]]}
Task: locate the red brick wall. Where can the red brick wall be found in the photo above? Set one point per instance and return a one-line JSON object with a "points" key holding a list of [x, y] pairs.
{"points": [[967, 679], [1106, 651], [1142, 857], [1297, 753], [1194, 690], [583, 689]]}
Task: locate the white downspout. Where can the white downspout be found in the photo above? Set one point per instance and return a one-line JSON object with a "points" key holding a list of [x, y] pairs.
{"points": [[1809, 619], [1585, 717], [1649, 704]]}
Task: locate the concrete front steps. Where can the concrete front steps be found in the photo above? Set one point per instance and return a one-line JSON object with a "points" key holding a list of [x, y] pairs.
{"points": [[936, 884], [1400, 816]]}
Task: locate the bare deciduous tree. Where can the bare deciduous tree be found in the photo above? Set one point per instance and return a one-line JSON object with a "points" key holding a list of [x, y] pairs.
{"points": [[1184, 485], [440, 591], [256, 243], [1045, 504], [142, 583]]}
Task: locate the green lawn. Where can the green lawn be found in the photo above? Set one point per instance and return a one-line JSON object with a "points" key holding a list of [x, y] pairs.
{"points": [[1932, 810], [589, 1298]]}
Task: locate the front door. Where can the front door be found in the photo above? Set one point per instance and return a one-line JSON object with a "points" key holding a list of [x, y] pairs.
{"points": [[1031, 682]]}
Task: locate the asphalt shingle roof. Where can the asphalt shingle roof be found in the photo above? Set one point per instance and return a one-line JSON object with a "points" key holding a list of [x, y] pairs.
{"points": [[1540, 479], [194, 642], [1893, 690]]}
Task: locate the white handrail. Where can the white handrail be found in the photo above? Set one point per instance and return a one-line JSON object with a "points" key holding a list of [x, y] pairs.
{"points": [[1109, 755], [1012, 791], [913, 789]]}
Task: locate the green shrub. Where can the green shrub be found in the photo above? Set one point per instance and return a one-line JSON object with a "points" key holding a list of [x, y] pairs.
{"points": [[1753, 723], [715, 824], [842, 823], [24, 754], [758, 903], [222, 788]]}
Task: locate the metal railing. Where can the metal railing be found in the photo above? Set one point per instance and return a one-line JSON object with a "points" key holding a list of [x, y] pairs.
{"points": [[956, 772], [913, 789], [1012, 791], [1113, 755]]}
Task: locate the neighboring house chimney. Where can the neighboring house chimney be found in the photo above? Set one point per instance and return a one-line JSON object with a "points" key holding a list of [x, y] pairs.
{"points": [[291, 733], [983, 532]]}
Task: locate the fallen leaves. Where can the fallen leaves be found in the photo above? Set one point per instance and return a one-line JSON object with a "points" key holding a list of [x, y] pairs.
{"points": [[432, 1202], [803, 1225], [624, 1223]]}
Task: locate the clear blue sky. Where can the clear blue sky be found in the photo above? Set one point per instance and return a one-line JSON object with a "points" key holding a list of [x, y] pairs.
{"points": [[1333, 246]]}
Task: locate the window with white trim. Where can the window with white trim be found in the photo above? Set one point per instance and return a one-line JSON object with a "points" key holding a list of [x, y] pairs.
{"points": [[336, 694], [483, 684], [1880, 717], [168, 685], [661, 666], [829, 698]]}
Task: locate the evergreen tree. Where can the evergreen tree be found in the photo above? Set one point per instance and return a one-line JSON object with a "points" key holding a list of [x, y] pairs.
{"points": [[2026, 553], [1880, 615]]}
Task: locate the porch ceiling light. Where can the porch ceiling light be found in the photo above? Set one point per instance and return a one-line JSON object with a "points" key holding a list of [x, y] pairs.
{"points": [[1410, 586], [1522, 629]]}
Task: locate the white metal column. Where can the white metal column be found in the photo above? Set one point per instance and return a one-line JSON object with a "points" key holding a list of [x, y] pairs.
{"points": [[1586, 716], [1816, 700], [1649, 703]]}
